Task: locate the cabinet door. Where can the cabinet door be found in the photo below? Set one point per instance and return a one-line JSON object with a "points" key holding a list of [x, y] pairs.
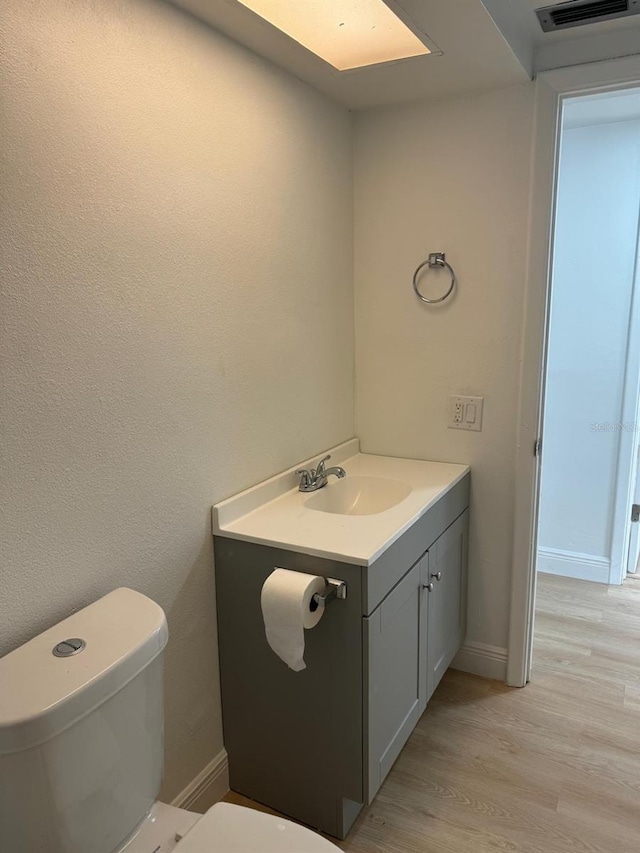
{"points": [[444, 581], [391, 641]]}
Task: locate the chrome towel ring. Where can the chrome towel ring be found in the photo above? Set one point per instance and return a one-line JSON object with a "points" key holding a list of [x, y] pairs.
{"points": [[435, 259]]}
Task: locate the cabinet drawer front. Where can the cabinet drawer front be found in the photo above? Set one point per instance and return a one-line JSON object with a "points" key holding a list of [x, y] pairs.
{"points": [[391, 637]]}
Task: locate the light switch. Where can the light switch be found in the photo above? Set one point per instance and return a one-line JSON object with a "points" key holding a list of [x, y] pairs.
{"points": [[465, 413]]}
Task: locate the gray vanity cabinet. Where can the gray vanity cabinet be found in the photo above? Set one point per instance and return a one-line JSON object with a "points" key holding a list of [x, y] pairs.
{"points": [[393, 676], [317, 744]]}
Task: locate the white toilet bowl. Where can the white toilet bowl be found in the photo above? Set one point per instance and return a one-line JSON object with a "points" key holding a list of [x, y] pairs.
{"points": [[81, 752], [225, 828], [235, 829]]}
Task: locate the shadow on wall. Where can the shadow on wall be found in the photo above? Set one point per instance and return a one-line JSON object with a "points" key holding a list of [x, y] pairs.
{"points": [[192, 628]]}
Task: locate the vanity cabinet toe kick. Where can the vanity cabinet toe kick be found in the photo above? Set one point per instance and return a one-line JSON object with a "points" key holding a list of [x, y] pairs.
{"points": [[316, 745]]}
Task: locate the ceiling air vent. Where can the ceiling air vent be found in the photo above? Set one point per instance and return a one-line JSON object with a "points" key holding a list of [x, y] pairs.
{"points": [[579, 12]]}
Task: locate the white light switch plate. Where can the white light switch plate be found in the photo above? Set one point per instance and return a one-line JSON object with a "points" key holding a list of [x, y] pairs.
{"points": [[465, 413]]}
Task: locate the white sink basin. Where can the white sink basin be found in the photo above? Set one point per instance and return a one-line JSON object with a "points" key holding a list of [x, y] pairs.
{"points": [[359, 496], [353, 520]]}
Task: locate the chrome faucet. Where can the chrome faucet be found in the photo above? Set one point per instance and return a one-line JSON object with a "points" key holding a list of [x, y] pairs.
{"points": [[315, 478]]}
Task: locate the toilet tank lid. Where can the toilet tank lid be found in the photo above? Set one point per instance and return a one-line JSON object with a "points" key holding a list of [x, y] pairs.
{"points": [[42, 694]]}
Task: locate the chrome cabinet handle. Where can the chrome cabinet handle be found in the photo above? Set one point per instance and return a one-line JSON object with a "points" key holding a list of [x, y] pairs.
{"points": [[428, 586], [437, 575]]}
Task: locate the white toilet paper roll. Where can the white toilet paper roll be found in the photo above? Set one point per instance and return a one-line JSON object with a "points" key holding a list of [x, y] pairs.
{"points": [[286, 609]]}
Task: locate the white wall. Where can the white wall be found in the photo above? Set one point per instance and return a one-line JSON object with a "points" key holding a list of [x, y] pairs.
{"points": [[177, 314], [594, 259], [447, 176]]}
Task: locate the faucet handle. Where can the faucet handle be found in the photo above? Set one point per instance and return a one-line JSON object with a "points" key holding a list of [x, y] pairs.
{"points": [[305, 476], [320, 465]]}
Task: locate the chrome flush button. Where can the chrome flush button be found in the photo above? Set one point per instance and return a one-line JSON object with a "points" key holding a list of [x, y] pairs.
{"points": [[69, 647]]}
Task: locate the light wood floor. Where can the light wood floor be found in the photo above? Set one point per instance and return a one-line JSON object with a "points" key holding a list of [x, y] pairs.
{"points": [[551, 768]]}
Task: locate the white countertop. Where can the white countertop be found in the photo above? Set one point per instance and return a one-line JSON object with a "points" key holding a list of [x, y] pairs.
{"points": [[274, 511]]}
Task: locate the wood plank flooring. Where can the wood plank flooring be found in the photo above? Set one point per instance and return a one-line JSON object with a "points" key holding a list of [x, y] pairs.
{"points": [[551, 768]]}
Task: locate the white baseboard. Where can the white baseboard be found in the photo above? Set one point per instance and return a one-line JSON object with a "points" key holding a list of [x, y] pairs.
{"points": [[209, 786], [573, 564], [482, 659]]}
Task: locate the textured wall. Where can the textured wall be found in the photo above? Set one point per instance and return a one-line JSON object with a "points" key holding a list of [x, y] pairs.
{"points": [[177, 317], [598, 198], [447, 176]]}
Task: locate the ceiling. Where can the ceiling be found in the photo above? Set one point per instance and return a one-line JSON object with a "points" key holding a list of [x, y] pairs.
{"points": [[477, 45], [521, 15], [590, 43]]}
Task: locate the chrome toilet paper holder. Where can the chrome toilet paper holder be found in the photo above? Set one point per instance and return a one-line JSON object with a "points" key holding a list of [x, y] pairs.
{"points": [[333, 589]]}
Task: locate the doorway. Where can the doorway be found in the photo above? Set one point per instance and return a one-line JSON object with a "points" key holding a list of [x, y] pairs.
{"points": [[555, 90], [589, 459]]}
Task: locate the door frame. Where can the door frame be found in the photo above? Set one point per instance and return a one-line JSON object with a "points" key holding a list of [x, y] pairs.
{"points": [[633, 552], [626, 486], [552, 89]]}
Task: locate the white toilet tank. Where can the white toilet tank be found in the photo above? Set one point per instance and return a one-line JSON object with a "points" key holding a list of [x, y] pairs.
{"points": [[81, 734]]}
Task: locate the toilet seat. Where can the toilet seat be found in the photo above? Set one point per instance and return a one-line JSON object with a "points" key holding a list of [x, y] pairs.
{"points": [[227, 828]]}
